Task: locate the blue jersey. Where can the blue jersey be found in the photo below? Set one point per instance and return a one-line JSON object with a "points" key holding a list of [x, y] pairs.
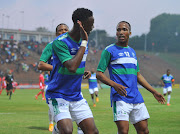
{"points": [[167, 80], [64, 84], [123, 67], [92, 81]]}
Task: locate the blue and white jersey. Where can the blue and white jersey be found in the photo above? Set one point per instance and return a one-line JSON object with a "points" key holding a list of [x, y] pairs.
{"points": [[92, 81], [65, 84], [123, 67], [167, 80]]}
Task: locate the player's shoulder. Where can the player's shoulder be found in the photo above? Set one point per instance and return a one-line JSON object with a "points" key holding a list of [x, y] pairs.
{"points": [[110, 46], [62, 37], [164, 75]]}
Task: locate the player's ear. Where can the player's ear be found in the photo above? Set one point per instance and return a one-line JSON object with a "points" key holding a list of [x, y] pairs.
{"points": [[129, 33]]}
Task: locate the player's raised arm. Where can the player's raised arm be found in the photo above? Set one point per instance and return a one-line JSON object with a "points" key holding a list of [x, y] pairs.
{"points": [[84, 30]]}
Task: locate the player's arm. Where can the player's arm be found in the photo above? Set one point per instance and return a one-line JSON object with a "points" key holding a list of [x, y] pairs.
{"points": [[44, 66], [45, 56], [142, 81], [74, 63], [62, 51], [103, 63]]}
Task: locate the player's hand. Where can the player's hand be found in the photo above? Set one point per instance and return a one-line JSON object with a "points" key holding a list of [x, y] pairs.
{"points": [[159, 97], [87, 75], [121, 90], [83, 33]]}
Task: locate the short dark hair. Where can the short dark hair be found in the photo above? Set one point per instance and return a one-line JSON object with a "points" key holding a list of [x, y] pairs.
{"points": [[60, 25], [127, 23], [81, 14]]}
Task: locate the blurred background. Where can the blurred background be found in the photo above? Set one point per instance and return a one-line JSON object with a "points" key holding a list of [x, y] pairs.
{"points": [[26, 26]]}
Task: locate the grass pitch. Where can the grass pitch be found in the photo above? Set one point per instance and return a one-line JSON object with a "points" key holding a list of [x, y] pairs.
{"points": [[25, 115]]}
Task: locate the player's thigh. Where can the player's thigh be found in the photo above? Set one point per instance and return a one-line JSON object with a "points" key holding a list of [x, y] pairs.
{"points": [[88, 126], [169, 89], [121, 110], [96, 89], [80, 111], [164, 90], [60, 108], [123, 126], [142, 127], [139, 113], [91, 91], [65, 126]]}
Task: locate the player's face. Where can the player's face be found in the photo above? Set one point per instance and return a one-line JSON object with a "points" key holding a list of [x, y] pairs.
{"points": [[123, 32], [88, 24], [168, 73], [62, 29]]}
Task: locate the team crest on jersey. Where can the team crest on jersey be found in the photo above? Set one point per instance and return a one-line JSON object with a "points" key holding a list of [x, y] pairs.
{"points": [[73, 50], [121, 54]]}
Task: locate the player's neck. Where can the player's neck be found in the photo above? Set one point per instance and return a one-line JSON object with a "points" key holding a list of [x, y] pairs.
{"points": [[125, 44], [75, 34]]}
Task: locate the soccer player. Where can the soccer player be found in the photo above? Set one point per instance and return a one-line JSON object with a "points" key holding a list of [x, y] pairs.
{"points": [[127, 102], [41, 86], [64, 89], [167, 80], [9, 80], [93, 87], [15, 84], [45, 64]]}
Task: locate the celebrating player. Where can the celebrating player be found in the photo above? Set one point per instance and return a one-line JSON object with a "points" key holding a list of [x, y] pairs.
{"points": [[64, 90]]}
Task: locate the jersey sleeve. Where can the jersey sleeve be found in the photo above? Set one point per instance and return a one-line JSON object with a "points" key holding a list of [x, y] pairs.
{"points": [[47, 53], [61, 50], [104, 61], [138, 70]]}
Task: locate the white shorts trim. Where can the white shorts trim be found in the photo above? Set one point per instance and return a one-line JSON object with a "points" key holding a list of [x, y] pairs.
{"points": [[128, 111], [92, 90], [75, 110], [168, 89]]}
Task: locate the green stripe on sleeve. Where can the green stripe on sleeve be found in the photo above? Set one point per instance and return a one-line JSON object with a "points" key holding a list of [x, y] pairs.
{"points": [[64, 70], [61, 50], [104, 61]]}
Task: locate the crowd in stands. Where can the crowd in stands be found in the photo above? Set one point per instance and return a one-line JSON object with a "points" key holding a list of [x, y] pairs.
{"points": [[12, 52]]}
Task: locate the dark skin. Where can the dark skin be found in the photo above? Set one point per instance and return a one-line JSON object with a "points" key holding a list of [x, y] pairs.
{"points": [[47, 67], [79, 31], [123, 33]]}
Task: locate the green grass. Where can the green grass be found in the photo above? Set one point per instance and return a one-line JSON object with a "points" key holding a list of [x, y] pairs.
{"points": [[25, 115]]}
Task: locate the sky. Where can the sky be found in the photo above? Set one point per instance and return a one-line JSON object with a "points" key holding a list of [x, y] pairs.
{"points": [[30, 14]]}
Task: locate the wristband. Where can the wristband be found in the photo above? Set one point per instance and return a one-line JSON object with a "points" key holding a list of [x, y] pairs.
{"points": [[84, 43]]}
